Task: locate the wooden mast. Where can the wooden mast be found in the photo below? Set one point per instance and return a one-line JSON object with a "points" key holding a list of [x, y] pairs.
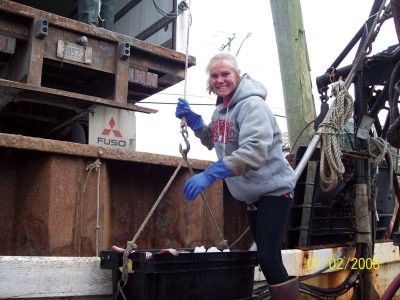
{"points": [[295, 69]]}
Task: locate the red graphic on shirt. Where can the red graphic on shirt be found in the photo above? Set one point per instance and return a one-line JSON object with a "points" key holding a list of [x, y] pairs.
{"points": [[219, 135], [107, 131]]}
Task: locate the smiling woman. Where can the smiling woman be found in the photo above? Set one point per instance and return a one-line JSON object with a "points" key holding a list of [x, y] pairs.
{"points": [[224, 77], [248, 144]]}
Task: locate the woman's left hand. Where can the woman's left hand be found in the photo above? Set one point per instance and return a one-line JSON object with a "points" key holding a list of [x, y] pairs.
{"points": [[195, 185]]}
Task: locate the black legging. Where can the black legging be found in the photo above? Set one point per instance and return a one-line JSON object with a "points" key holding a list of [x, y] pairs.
{"points": [[268, 225]]}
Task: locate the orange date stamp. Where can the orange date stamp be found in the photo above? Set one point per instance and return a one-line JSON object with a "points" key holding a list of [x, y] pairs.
{"points": [[343, 263]]}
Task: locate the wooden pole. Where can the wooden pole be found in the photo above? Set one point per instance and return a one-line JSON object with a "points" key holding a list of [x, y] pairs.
{"points": [[295, 69]]}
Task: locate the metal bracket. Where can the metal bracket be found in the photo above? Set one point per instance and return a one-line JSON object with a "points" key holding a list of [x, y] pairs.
{"points": [[124, 50], [41, 28]]}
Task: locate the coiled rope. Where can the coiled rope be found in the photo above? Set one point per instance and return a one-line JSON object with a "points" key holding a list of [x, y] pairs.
{"points": [[331, 166]]}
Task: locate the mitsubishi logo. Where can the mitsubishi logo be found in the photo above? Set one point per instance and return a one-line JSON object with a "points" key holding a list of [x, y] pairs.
{"points": [[107, 131]]}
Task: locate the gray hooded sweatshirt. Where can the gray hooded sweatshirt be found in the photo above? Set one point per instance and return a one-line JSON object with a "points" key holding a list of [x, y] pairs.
{"points": [[246, 136]]}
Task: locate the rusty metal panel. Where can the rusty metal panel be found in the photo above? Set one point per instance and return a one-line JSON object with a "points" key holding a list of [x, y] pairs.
{"points": [[52, 214], [53, 211], [8, 192], [31, 231], [174, 223]]}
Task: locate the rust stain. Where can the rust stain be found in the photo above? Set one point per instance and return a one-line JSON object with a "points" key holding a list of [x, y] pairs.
{"points": [[304, 262]]}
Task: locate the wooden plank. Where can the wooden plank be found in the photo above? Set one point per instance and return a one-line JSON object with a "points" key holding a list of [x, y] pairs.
{"points": [[33, 277]]}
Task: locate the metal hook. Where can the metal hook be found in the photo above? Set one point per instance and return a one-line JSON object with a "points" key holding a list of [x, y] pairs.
{"points": [[185, 151]]}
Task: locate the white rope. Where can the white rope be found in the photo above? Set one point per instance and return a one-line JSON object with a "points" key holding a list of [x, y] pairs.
{"points": [[95, 166], [331, 166], [189, 23], [379, 147]]}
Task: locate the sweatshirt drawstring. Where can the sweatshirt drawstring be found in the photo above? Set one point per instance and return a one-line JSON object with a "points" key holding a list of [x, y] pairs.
{"points": [[223, 137], [226, 120]]}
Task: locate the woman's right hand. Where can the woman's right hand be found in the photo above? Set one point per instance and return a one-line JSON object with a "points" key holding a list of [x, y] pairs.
{"points": [[182, 108], [194, 121]]}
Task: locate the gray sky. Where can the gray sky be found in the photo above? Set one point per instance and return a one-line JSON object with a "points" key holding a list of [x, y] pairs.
{"points": [[329, 26]]}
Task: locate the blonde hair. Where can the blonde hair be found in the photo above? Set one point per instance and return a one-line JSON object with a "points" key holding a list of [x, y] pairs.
{"points": [[216, 59]]}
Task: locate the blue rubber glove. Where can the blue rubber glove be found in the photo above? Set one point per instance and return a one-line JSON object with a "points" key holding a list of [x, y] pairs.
{"points": [[193, 120], [195, 185]]}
